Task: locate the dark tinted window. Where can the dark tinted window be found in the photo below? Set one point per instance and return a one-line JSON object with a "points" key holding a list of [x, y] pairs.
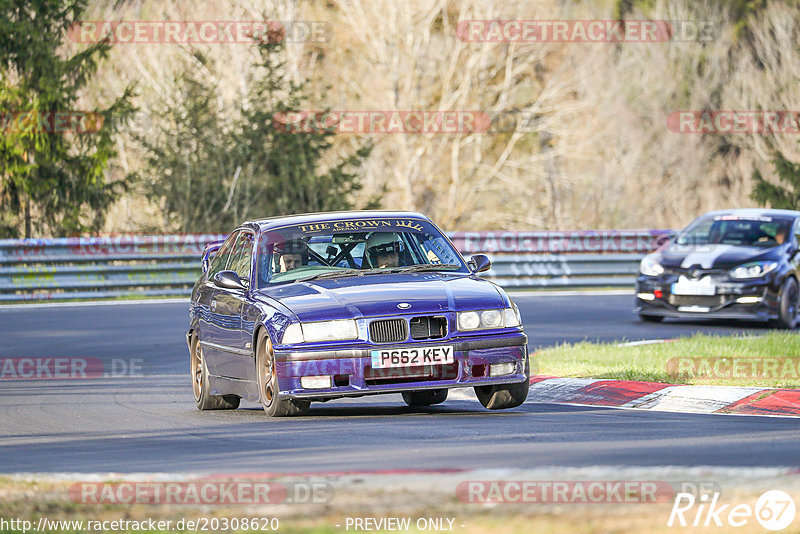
{"points": [[739, 231]]}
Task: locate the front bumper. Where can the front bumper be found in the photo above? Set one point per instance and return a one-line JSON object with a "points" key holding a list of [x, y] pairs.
{"points": [[352, 374], [746, 300]]}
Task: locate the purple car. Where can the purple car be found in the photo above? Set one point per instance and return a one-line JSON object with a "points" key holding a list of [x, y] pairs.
{"points": [[315, 307]]}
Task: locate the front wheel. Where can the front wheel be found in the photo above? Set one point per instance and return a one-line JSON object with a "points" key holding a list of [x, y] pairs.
{"points": [[268, 390], [200, 386], [505, 396], [787, 304], [426, 397]]}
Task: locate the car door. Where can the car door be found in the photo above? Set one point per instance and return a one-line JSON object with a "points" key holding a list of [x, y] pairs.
{"points": [[233, 349], [211, 325]]}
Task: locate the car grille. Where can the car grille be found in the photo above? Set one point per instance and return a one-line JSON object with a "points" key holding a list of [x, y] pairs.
{"points": [[692, 300], [717, 275], [428, 327], [388, 330]]}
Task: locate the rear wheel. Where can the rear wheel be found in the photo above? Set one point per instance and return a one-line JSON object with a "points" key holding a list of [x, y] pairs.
{"points": [[200, 387], [651, 318], [426, 397], [505, 396], [268, 390], [787, 304]]}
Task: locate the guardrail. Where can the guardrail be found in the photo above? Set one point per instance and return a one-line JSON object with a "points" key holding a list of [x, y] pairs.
{"points": [[122, 266]]}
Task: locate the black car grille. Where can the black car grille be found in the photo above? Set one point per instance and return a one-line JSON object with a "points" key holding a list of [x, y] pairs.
{"points": [[428, 327], [717, 275], [388, 330], [692, 300]]}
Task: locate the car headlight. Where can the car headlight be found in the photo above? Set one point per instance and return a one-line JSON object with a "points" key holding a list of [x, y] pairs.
{"points": [[650, 266], [338, 330], [485, 319], [754, 270]]}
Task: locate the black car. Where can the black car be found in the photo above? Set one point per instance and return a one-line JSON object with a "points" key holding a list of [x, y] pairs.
{"points": [[729, 264]]}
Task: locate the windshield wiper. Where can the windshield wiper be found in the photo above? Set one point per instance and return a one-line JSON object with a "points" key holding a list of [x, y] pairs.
{"points": [[426, 267], [343, 272], [330, 274], [363, 272]]}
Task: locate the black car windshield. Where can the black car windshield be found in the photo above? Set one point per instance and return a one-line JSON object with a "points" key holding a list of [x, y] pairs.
{"points": [[348, 247], [733, 230]]}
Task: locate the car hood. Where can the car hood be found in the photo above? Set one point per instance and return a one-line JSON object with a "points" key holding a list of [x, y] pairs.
{"points": [[376, 295], [714, 256]]}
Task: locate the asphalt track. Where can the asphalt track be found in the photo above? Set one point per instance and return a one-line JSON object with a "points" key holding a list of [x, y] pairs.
{"points": [[148, 422]]}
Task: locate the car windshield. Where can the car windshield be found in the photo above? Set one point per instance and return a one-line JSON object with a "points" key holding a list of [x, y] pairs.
{"points": [[342, 248], [740, 231]]}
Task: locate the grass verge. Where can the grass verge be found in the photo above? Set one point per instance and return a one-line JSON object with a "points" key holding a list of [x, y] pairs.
{"points": [[772, 360]]}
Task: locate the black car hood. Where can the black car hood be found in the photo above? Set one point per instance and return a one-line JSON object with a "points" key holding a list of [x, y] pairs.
{"points": [[377, 295], [715, 256]]}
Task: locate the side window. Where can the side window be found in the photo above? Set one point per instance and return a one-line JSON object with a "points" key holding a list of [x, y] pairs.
{"points": [[221, 257], [437, 251], [796, 233], [242, 255]]}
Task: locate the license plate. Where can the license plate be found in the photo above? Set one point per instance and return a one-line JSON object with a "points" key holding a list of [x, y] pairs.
{"points": [[408, 357], [694, 309], [694, 287]]}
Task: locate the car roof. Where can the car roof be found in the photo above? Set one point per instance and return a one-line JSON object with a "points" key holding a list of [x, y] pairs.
{"points": [[310, 218], [755, 212]]}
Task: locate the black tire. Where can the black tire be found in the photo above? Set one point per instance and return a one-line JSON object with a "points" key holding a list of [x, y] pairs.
{"points": [[268, 389], [200, 386], [787, 304], [651, 318], [425, 397], [505, 396]]}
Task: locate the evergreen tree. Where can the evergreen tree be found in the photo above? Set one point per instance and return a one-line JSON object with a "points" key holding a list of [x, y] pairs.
{"points": [[778, 196], [214, 171], [52, 179]]}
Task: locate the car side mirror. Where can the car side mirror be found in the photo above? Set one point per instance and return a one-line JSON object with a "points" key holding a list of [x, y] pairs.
{"points": [[479, 263], [229, 280]]}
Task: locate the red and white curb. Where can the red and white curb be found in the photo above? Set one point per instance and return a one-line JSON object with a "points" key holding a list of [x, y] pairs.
{"points": [[665, 397]]}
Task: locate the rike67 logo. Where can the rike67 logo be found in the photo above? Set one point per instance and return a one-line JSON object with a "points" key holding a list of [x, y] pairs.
{"points": [[774, 510]]}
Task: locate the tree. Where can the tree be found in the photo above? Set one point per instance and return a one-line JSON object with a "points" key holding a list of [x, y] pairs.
{"points": [[211, 170], [777, 196], [52, 177]]}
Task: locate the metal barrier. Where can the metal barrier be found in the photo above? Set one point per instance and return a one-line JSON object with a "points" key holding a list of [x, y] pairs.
{"points": [[123, 266], [100, 267]]}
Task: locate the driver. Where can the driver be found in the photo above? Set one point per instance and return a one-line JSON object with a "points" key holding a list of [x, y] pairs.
{"points": [[383, 250], [289, 255], [780, 235]]}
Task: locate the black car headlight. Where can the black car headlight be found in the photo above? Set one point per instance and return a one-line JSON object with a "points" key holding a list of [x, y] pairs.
{"points": [[756, 269], [650, 266]]}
